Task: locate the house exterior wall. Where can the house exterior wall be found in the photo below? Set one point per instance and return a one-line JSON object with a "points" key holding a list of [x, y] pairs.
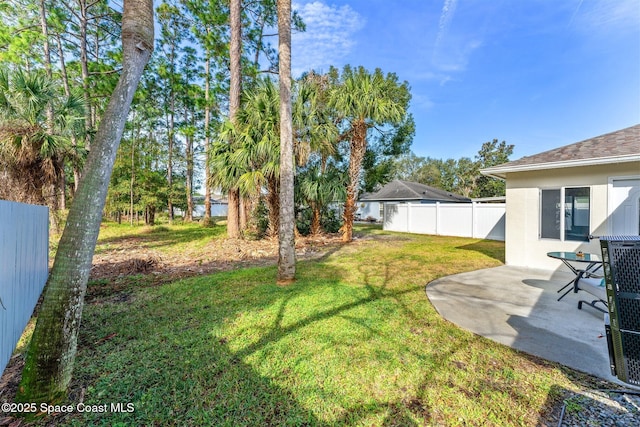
{"points": [[524, 247], [368, 210], [217, 209]]}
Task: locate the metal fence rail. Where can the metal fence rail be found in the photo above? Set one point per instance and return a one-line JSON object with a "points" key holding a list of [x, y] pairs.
{"points": [[24, 262], [479, 220]]}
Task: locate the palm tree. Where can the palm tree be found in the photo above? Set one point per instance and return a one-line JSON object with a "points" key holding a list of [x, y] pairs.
{"points": [[314, 130], [33, 147], [317, 187], [257, 148], [224, 168], [366, 101], [252, 163], [316, 137]]}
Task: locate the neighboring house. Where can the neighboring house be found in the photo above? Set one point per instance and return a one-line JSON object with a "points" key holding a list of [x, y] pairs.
{"points": [[367, 210], [558, 198], [371, 205], [219, 206]]}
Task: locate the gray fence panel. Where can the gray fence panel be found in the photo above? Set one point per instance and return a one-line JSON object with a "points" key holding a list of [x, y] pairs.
{"points": [[24, 264]]}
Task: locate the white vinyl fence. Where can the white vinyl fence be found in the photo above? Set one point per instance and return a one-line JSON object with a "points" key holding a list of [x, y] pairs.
{"points": [[24, 263], [478, 220]]}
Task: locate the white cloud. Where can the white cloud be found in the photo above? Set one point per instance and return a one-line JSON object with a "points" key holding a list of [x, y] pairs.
{"points": [[608, 15], [421, 101], [454, 45], [448, 12], [329, 36]]}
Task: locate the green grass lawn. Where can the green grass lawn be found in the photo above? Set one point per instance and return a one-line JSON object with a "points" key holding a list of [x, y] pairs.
{"points": [[354, 341]]}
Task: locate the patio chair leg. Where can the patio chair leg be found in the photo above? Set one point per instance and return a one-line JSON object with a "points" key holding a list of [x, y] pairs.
{"points": [[593, 304]]}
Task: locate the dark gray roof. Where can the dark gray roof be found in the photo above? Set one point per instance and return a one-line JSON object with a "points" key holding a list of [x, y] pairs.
{"points": [[412, 191], [616, 146], [221, 199]]}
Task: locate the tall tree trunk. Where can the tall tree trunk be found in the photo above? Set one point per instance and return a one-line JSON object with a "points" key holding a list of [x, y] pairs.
{"points": [[47, 57], [170, 171], [171, 130], [188, 216], [133, 177], [58, 200], [358, 150], [171, 135], [235, 76], [207, 141], [286, 230], [84, 68], [51, 355], [67, 92]]}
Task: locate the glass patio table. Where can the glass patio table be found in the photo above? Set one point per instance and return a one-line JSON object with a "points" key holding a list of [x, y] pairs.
{"points": [[593, 262]]}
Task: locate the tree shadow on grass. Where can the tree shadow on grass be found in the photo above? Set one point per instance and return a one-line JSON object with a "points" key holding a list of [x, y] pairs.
{"points": [[164, 353], [168, 352], [490, 248], [195, 352]]}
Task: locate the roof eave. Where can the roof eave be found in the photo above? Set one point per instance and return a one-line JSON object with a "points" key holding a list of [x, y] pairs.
{"points": [[414, 200], [403, 199], [500, 172]]}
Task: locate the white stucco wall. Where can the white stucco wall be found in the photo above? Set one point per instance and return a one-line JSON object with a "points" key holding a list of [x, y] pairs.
{"points": [[368, 210], [524, 247]]}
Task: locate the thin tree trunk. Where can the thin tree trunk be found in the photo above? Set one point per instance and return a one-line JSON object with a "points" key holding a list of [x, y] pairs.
{"points": [[51, 354], [207, 141], [58, 190], [67, 92], [235, 58], [84, 68], [286, 230], [172, 103], [47, 57], [189, 178], [133, 177], [256, 59], [171, 130]]}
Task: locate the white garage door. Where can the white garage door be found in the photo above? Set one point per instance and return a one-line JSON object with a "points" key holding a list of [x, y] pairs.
{"points": [[624, 206]]}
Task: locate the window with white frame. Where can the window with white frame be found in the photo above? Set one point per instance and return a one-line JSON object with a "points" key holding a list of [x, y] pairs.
{"points": [[567, 220]]}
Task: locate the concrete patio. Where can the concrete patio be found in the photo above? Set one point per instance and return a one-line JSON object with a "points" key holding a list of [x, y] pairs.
{"points": [[517, 307]]}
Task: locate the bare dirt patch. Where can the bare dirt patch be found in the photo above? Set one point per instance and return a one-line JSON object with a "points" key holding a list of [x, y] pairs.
{"points": [[116, 264]]}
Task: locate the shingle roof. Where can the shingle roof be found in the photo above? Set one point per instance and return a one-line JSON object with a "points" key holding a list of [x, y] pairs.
{"points": [[621, 145], [407, 191]]}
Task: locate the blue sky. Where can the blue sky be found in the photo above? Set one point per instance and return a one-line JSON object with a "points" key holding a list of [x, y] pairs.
{"points": [[538, 74]]}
